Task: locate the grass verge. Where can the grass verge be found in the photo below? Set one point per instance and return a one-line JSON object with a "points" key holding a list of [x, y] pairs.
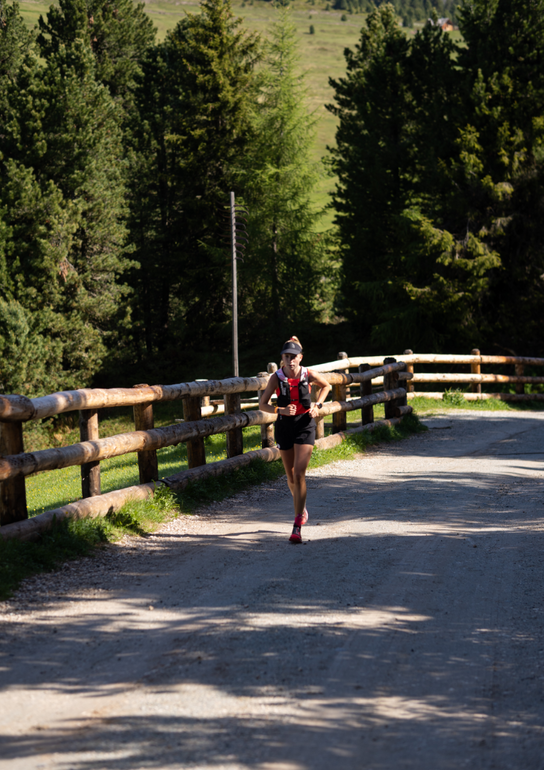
{"points": [[71, 540], [455, 399]]}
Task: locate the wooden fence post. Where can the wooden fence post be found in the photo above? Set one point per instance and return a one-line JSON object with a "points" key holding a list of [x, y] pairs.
{"points": [[235, 437], [476, 387], [196, 452], [267, 431], [339, 419], [409, 368], [403, 400], [205, 400], [520, 371], [367, 412], [12, 492], [319, 421], [390, 382], [90, 472], [148, 464]]}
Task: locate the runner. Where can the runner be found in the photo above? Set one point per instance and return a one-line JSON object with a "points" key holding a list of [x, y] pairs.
{"points": [[295, 426]]}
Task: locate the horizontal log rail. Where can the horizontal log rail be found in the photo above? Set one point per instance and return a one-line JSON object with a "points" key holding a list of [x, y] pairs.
{"points": [[475, 378], [353, 363], [439, 395], [28, 463], [21, 409]]}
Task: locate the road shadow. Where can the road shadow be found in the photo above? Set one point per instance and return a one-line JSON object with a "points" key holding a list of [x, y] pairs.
{"points": [[419, 635]]}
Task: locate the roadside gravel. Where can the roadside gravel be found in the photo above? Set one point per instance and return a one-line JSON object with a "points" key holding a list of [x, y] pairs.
{"points": [[406, 632]]}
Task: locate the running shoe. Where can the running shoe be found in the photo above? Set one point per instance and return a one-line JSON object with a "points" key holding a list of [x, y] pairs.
{"points": [[295, 535], [301, 520]]}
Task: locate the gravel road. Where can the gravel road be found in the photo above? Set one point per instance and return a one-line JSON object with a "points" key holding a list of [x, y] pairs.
{"points": [[406, 632]]}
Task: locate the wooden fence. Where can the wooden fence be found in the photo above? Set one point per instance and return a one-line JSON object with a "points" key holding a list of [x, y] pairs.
{"points": [[394, 381], [145, 440]]}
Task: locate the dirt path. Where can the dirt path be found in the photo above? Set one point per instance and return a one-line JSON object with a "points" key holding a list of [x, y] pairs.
{"points": [[406, 632]]}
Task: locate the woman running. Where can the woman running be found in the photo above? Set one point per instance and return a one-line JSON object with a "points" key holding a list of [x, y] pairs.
{"points": [[295, 426]]}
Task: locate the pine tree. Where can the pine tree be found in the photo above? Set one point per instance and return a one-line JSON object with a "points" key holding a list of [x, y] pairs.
{"points": [[119, 33], [195, 103], [418, 250], [504, 105], [286, 277], [61, 202]]}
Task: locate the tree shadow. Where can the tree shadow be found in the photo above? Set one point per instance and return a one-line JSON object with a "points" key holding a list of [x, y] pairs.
{"points": [[411, 638]]}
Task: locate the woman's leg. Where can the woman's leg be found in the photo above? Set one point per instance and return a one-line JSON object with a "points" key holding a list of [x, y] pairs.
{"points": [[295, 461], [288, 459], [302, 453]]}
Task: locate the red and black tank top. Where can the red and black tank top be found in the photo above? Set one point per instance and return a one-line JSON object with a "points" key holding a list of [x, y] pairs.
{"points": [[293, 391]]}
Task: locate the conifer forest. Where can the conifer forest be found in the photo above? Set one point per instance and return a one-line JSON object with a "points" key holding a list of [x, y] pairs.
{"points": [[118, 152]]}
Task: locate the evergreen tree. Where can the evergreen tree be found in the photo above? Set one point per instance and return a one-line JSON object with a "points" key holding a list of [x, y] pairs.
{"points": [[418, 248], [286, 277], [119, 33], [61, 204], [504, 104], [194, 128]]}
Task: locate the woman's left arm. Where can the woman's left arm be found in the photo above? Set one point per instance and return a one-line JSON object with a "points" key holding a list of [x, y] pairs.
{"points": [[318, 379]]}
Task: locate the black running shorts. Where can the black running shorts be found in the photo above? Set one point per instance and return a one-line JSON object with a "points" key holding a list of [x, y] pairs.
{"points": [[294, 430]]}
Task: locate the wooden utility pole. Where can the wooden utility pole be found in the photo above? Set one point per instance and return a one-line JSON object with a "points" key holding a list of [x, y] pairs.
{"points": [[235, 364]]}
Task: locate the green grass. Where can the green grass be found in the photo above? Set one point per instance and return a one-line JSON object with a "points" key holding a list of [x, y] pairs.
{"points": [[455, 400], [70, 540]]}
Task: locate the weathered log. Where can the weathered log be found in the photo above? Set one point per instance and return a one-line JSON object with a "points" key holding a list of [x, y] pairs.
{"points": [[367, 412], [196, 451], [148, 464], [12, 490], [339, 394], [520, 370], [438, 395], [267, 429], [409, 369], [336, 438], [216, 409], [401, 411], [180, 480], [475, 368], [469, 378], [358, 403], [19, 408], [390, 382], [92, 507], [235, 437], [14, 408], [423, 358], [90, 472], [319, 421], [124, 443]]}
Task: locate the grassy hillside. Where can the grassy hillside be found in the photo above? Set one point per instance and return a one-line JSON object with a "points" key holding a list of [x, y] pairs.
{"points": [[321, 54]]}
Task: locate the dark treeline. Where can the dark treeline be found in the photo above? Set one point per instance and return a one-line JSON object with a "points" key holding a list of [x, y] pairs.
{"points": [[440, 157], [117, 155]]}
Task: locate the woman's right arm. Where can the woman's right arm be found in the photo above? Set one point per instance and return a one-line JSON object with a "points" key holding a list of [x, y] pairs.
{"points": [[264, 401]]}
